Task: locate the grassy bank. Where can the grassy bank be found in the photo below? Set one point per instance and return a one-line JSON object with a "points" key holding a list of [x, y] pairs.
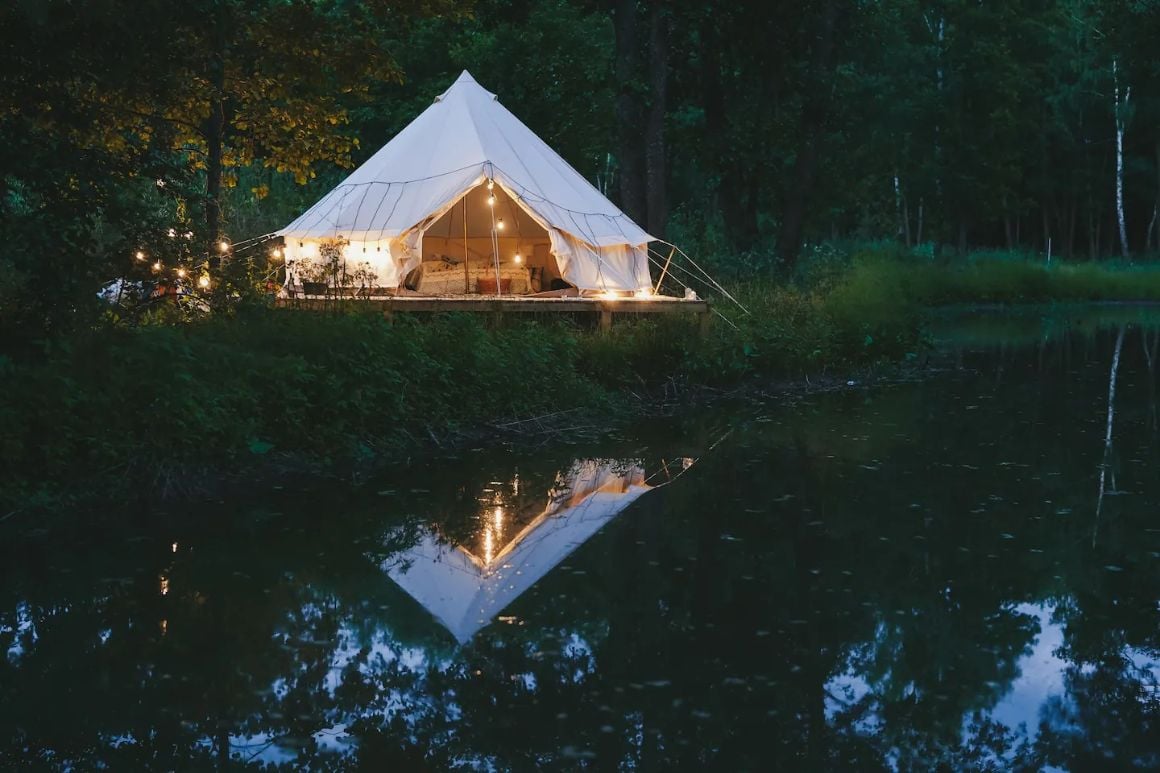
{"points": [[150, 409]]}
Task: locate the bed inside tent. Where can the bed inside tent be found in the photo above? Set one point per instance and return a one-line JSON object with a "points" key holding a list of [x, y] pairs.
{"points": [[461, 257]]}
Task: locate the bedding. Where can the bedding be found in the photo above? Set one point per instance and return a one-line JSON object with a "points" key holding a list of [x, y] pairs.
{"points": [[441, 277]]}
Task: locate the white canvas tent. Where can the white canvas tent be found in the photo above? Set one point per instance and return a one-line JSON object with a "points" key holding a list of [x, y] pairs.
{"points": [[434, 181], [464, 591]]}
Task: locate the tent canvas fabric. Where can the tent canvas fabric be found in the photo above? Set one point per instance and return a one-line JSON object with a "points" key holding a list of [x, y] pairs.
{"points": [[464, 593], [465, 139]]}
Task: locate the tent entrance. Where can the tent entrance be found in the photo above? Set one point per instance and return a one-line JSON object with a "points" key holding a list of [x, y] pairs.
{"points": [[459, 253]]}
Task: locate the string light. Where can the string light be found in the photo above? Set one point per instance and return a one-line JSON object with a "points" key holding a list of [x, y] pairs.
{"points": [[157, 266], [276, 253], [203, 283], [499, 224], [181, 273], [224, 246], [140, 255], [490, 184], [518, 259], [491, 200]]}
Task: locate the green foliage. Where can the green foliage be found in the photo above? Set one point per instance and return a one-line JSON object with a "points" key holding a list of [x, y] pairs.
{"points": [[127, 403]]}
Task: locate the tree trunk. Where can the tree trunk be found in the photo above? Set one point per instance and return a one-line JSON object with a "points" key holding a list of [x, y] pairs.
{"points": [[739, 218], [1120, 157], [655, 156], [214, 127], [628, 110], [1072, 217], [815, 111], [1046, 228], [1093, 232], [214, 130]]}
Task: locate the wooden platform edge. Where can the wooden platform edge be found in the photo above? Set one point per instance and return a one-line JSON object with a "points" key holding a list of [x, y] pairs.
{"points": [[504, 305]]}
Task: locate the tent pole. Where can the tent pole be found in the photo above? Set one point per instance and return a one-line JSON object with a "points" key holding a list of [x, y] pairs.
{"points": [[664, 270], [466, 270], [495, 249]]}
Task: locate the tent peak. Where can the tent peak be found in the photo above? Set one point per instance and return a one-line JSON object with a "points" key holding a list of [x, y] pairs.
{"points": [[464, 81]]}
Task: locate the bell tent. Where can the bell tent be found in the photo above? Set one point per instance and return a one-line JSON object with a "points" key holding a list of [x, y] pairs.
{"points": [[467, 199]]}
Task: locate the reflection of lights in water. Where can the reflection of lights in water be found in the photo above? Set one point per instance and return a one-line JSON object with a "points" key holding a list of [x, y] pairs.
{"points": [[497, 518], [516, 484], [174, 547], [488, 546], [164, 627], [164, 585]]}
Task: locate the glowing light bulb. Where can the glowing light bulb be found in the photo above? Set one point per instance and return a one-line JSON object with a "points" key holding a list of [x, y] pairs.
{"points": [[181, 273], [224, 246], [518, 259], [276, 253], [203, 283], [499, 224], [140, 255], [157, 266], [491, 200], [172, 232], [490, 184]]}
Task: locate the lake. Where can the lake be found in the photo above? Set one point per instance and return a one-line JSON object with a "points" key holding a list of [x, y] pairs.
{"points": [[961, 570]]}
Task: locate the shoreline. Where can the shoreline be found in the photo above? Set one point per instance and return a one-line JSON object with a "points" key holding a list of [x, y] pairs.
{"points": [[223, 407], [172, 483]]}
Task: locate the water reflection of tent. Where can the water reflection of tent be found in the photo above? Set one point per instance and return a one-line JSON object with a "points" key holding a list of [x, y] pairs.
{"points": [[465, 591]]}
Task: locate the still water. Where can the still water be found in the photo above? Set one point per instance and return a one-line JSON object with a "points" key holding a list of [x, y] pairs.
{"points": [[961, 571]]}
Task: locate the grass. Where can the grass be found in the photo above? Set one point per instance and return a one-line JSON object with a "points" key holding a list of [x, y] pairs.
{"points": [[133, 409]]}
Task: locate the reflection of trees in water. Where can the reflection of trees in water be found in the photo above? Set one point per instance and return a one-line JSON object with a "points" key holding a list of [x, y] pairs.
{"points": [[1106, 463]]}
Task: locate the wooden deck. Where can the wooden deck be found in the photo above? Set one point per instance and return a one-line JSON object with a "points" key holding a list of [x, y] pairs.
{"points": [[501, 305]]}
